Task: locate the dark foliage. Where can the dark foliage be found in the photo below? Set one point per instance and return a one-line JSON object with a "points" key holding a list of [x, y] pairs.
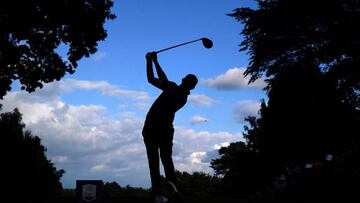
{"points": [[32, 30], [281, 34], [113, 189], [238, 164], [29, 175], [195, 185], [198, 184], [309, 52]]}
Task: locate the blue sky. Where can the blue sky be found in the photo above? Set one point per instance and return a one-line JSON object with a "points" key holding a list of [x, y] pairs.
{"points": [[91, 121]]}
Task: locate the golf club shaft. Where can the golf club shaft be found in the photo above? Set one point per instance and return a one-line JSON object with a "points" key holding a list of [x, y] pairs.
{"points": [[178, 45]]}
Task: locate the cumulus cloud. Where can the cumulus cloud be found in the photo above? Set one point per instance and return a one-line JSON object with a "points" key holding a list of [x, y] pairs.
{"points": [[198, 148], [246, 108], [198, 119], [82, 139], [196, 157], [192, 163], [204, 136], [89, 142], [52, 91], [233, 79], [218, 146], [201, 99]]}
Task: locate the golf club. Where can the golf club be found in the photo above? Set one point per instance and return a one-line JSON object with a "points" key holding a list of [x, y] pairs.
{"points": [[206, 42]]}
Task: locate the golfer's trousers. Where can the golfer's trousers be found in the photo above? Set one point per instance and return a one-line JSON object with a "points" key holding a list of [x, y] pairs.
{"points": [[159, 141]]}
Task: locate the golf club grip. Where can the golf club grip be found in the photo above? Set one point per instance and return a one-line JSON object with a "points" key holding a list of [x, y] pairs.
{"points": [[177, 45]]}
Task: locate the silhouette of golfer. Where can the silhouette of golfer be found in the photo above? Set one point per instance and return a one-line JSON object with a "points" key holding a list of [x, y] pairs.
{"points": [[158, 131]]}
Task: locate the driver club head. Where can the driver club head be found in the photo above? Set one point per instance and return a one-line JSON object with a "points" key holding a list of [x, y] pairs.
{"points": [[207, 42]]}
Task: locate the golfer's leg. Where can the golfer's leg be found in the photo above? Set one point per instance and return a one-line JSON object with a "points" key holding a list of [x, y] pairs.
{"points": [[153, 159], [166, 159]]}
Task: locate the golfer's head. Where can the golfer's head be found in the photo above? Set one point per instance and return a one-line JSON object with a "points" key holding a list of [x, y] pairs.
{"points": [[189, 81]]}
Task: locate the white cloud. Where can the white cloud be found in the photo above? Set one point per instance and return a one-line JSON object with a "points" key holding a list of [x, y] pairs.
{"points": [[201, 99], [98, 56], [99, 167], [193, 163], [80, 138], [196, 157], [224, 144], [233, 79], [60, 159], [246, 108], [206, 136], [106, 89], [89, 142], [198, 119], [51, 91], [195, 149]]}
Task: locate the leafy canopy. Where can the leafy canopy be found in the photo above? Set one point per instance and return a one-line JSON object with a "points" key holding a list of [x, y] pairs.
{"points": [[33, 30]]}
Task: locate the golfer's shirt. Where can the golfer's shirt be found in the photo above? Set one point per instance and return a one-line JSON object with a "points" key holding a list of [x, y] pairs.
{"points": [[162, 112]]}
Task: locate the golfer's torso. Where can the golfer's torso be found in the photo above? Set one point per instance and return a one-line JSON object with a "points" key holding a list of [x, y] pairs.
{"points": [[162, 112]]}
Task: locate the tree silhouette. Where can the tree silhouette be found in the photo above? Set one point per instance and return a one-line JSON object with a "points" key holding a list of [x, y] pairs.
{"points": [[114, 190], [29, 174], [198, 184], [32, 31], [281, 34], [311, 61], [241, 169], [308, 51]]}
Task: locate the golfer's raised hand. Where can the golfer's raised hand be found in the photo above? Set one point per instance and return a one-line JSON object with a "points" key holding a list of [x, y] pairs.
{"points": [[148, 56], [154, 55]]}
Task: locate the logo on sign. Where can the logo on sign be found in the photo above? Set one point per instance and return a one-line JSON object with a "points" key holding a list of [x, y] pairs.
{"points": [[89, 192]]}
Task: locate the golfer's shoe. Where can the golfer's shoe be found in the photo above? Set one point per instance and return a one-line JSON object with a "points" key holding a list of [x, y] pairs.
{"points": [[160, 199], [172, 187], [175, 193]]}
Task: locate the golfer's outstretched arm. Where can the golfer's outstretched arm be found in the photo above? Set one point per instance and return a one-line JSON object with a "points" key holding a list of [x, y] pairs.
{"points": [[150, 72], [159, 70]]}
